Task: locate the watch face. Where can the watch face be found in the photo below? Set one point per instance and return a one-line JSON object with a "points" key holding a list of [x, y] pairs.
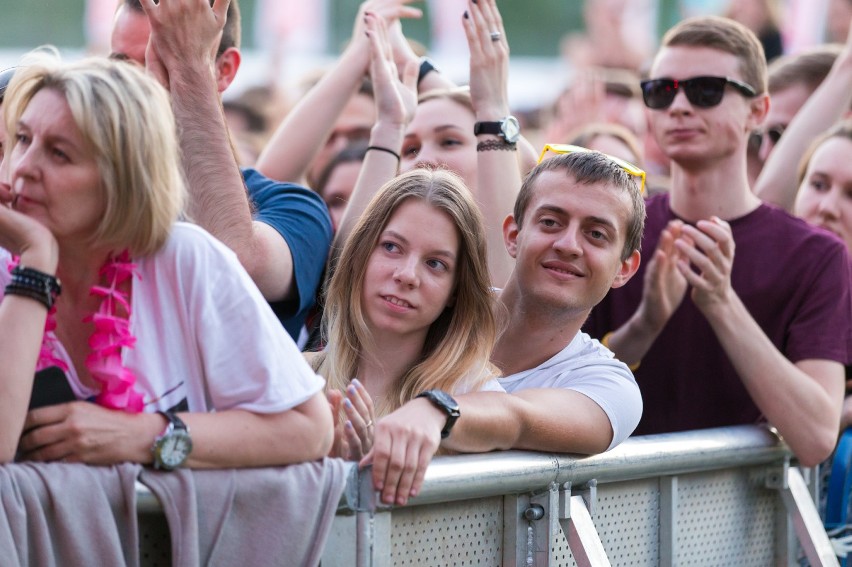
{"points": [[446, 400], [174, 448], [511, 129]]}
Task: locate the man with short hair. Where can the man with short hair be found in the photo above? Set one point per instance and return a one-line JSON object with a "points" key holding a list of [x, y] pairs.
{"points": [[280, 232], [792, 80], [743, 312], [574, 235]]}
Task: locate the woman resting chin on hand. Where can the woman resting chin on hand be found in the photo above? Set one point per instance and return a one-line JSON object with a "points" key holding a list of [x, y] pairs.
{"points": [[155, 324]]}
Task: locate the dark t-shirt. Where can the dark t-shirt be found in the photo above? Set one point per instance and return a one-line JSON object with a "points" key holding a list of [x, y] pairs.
{"points": [[302, 219], [794, 280]]}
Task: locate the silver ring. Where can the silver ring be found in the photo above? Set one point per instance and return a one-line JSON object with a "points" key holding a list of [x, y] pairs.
{"points": [[369, 424], [495, 36]]}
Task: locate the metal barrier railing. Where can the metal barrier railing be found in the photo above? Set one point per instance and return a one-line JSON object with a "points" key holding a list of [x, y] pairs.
{"points": [[714, 497]]}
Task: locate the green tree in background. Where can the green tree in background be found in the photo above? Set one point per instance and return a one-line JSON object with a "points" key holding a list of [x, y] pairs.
{"points": [[534, 26]]}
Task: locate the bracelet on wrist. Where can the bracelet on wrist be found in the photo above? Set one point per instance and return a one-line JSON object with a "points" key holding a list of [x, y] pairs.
{"points": [[386, 150], [605, 342], [489, 145], [32, 283]]}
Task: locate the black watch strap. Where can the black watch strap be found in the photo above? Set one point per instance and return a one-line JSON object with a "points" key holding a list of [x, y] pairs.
{"points": [[446, 403], [494, 128], [176, 422]]}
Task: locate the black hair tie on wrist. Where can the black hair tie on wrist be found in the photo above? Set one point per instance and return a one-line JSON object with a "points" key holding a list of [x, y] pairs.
{"points": [[386, 150]]}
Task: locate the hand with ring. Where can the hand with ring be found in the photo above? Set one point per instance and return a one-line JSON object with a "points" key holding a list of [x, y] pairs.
{"points": [[489, 60], [360, 423]]}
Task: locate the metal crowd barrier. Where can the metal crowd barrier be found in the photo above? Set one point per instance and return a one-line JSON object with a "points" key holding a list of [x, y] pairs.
{"points": [[725, 496]]}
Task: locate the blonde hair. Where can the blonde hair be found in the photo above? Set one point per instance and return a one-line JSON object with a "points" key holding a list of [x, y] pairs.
{"points": [[126, 118], [842, 129], [459, 95], [459, 342]]}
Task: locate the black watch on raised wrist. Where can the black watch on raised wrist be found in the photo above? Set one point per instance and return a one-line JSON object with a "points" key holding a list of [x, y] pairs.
{"points": [[509, 129], [444, 402], [172, 448]]}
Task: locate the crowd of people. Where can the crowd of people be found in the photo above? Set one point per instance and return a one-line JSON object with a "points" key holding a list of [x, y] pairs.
{"points": [[401, 271]]}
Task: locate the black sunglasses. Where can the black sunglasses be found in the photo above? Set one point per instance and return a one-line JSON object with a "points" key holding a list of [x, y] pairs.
{"points": [[702, 92]]}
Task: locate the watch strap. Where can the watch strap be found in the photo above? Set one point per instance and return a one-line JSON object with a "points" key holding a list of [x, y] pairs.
{"points": [[446, 403], [175, 423], [175, 428], [495, 128]]}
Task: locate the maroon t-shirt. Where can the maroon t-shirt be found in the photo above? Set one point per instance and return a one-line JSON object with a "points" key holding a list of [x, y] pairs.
{"points": [[795, 281]]}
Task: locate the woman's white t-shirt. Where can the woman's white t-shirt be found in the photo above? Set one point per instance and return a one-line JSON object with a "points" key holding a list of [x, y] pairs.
{"points": [[204, 333]]}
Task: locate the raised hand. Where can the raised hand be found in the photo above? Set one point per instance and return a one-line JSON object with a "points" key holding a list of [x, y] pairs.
{"points": [[579, 106], [489, 59], [184, 34], [665, 286], [396, 99], [707, 260], [391, 11]]}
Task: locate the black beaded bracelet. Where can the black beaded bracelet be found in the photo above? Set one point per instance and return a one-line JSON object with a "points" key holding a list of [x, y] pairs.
{"points": [[32, 283]]}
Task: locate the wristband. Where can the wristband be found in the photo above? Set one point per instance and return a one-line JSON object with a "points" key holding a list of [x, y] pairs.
{"points": [[386, 150], [32, 283], [605, 342], [489, 145]]}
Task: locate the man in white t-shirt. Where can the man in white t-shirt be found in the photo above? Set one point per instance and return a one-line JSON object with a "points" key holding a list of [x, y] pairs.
{"points": [[574, 234]]}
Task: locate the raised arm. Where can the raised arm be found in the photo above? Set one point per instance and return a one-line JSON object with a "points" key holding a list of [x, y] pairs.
{"points": [[663, 291], [777, 182], [498, 169], [22, 321], [396, 101], [299, 138], [803, 399], [188, 64]]}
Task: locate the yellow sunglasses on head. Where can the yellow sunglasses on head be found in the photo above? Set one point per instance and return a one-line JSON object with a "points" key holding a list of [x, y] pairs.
{"points": [[569, 149]]}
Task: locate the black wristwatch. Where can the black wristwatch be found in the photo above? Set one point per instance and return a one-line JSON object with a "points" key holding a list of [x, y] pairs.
{"points": [[172, 448], [509, 129], [444, 402]]}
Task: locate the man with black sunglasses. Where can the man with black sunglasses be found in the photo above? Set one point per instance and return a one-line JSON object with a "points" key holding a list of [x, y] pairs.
{"points": [[743, 313]]}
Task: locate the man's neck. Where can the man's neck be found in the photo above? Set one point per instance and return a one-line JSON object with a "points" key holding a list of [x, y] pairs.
{"points": [[721, 190], [533, 334]]}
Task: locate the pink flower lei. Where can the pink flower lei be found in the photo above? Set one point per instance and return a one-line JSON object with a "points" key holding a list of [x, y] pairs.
{"points": [[111, 335]]}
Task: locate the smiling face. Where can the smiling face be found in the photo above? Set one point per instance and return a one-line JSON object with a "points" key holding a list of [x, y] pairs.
{"points": [[694, 136], [825, 196], [54, 173], [411, 273], [441, 134], [568, 248]]}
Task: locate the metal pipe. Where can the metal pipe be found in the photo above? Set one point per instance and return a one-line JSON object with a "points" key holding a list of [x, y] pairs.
{"points": [[491, 474]]}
